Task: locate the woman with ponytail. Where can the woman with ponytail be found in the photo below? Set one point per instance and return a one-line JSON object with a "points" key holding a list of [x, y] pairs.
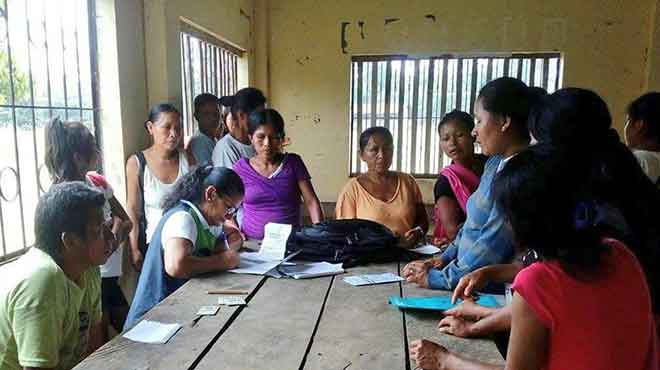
{"points": [[501, 112], [585, 303], [187, 240], [151, 175], [72, 155]]}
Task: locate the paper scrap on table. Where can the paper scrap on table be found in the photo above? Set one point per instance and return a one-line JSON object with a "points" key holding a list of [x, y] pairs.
{"points": [[426, 249], [439, 303], [231, 301], [273, 247], [208, 310], [253, 263], [370, 279], [152, 332], [311, 270]]}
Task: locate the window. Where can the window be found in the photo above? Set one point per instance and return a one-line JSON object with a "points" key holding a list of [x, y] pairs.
{"points": [[208, 66], [409, 96], [47, 58]]}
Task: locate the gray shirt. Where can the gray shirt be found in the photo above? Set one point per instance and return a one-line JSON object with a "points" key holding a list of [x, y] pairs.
{"points": [[201, 147], [229, 150]]}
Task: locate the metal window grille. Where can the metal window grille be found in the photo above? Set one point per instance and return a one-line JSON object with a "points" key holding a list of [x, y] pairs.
{"points": [[206, 67], [409, 96], [47, 69]]}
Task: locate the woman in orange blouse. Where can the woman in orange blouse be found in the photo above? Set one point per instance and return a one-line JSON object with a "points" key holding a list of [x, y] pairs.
{"points": [[387, 197]]}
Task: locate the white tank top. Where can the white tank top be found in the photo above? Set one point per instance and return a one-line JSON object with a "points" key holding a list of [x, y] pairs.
{"points": [[154, 193]]}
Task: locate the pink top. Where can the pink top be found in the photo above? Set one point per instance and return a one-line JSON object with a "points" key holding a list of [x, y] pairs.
{"points": [[604, 323]]}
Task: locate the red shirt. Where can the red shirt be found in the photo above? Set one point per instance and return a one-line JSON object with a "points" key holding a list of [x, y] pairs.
{"points": [[598, 324]]}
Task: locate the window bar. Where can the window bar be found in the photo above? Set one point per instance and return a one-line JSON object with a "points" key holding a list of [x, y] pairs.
{"points": [[413, 119], [506, 66], [430, 130], [226, 67], [532, 73], [222, 73], [489, 70], [399, 136], [66, 97], [184, 83], [358, 112], [234, 77], [75, 35], [544, 80], [374, 94], [388, 91], [473, 88], [45, 26], [31, 79], [557, 76], [520, 66], [10, 62], [216, 77], [191, 70], [214, 63], [459, 84], [2, 231], [94, 74], [202, 69]]}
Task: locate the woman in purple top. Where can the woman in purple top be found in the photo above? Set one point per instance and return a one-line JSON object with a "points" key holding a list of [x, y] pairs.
{"points": [[274, 181]]}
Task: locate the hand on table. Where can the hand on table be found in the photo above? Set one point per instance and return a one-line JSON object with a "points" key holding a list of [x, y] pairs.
{"points": [[428, 355]]}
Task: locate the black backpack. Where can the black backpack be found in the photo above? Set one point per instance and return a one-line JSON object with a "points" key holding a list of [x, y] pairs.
{"points": [[351, 242]]}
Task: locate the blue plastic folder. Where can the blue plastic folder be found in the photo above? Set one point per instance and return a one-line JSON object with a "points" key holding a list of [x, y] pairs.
{"points": [[438, 303]]}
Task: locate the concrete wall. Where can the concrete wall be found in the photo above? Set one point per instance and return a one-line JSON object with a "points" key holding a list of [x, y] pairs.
{"points": [[230, 20], [603, 43]]}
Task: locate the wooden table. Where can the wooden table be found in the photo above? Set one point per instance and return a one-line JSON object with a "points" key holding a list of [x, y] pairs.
{"points": [[321, 323]]}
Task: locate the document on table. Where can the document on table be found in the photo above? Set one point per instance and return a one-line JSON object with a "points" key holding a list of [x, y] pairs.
{"points": [[273, 247], [426, 249], [253, 263], [152, 332], [311, 270], [440, 303], [371, 279]]}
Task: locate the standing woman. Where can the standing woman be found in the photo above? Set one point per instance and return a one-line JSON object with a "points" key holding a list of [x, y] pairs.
{"points": [[458, 180], [274, 181], [388, 197], [151, 175]]}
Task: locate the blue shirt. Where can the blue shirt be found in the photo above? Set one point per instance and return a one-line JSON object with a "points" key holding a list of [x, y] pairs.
{"points": [[483, 240]]}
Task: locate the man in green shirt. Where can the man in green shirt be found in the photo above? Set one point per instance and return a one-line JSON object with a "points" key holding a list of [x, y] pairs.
{"points": [[50, 298]]}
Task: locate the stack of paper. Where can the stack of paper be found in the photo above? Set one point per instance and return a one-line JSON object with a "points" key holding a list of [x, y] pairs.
{"points": [[370, 279], [311, 270], [152, 332], [439, 303]]}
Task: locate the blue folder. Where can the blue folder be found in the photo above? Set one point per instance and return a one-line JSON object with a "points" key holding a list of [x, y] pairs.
{"points": [[438, 303]]}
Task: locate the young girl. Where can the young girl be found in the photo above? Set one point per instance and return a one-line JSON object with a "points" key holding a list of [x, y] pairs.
{"points": [[72, 155], [458, 180], [185, 242]]}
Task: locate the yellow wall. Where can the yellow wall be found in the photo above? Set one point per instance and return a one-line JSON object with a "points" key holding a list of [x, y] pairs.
{"points": [[228, 19], [603, 43], [653, 65]]}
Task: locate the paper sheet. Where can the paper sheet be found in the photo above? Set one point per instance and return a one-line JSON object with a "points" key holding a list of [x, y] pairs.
{"points": [[254, 263], [426, 249], [370, 279], [273, 247], [231, 301], [311, 270], [152, 332], [439, 303]]}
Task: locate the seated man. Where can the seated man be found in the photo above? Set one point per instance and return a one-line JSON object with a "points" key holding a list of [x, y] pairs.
{"points": [[50, 298]]}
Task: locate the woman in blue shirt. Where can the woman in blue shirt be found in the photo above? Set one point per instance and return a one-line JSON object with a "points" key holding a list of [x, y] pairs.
{"points": [[500, 112]]}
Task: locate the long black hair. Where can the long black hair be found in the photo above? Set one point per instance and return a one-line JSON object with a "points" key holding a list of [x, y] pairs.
{"points": [[191, 187], [63, 141], [578, 124], [512, 98]]}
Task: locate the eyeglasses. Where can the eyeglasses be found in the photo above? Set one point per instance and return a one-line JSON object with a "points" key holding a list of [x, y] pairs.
{"points": [[230, 210]]}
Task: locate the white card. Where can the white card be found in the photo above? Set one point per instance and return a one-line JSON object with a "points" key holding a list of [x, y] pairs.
{"points": [[231, 301], [208, 310], [426, 249]]}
